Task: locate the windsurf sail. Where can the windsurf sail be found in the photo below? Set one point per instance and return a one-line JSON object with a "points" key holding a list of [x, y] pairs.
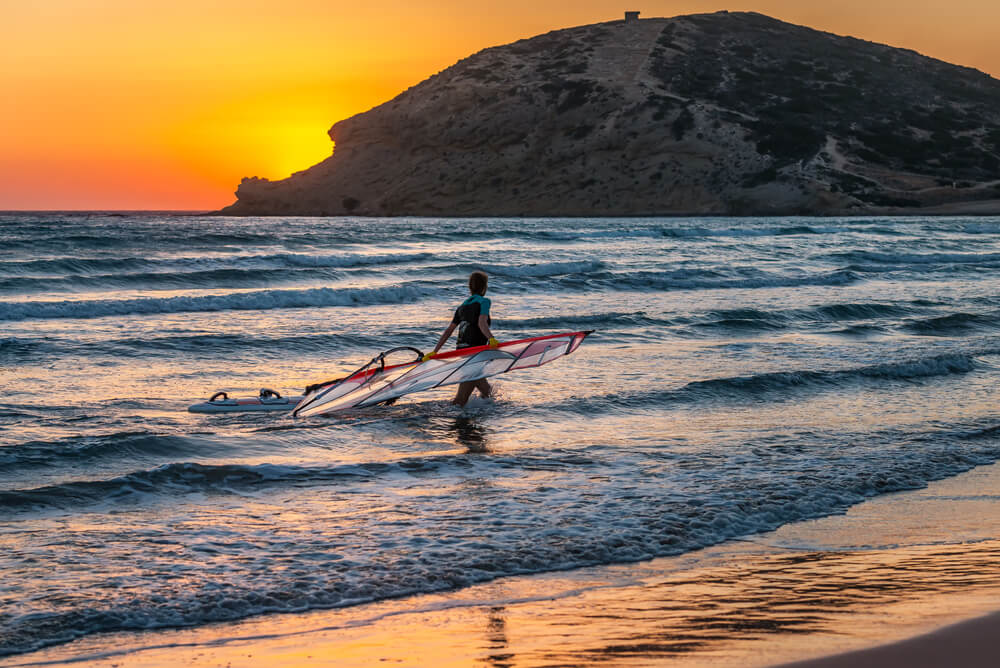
{"points": [[375, 383]]}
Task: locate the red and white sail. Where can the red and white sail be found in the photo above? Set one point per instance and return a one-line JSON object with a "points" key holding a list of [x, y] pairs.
{"points": [[375, 383]]}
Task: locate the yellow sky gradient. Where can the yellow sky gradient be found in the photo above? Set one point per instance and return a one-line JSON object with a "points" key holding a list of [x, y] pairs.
{"points": [[157, 104]]}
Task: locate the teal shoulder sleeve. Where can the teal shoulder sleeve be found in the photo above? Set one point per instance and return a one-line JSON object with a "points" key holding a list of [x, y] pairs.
{"points": [[484, 306]]}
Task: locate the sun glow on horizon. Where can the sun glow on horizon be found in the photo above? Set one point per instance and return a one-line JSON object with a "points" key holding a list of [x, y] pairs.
{"points": [[113, 104]]}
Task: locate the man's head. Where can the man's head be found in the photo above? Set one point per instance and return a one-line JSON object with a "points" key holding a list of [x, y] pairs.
{"points": [[477, 283]]}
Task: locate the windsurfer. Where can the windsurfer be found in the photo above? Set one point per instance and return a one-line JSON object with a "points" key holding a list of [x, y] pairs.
{"points": [[472, 319]]}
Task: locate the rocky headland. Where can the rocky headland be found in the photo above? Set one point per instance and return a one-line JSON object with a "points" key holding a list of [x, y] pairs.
{"points": [[726, 113]]}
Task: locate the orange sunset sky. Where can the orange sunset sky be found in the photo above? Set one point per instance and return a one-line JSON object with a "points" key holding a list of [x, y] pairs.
{"points": [[166, 104]]}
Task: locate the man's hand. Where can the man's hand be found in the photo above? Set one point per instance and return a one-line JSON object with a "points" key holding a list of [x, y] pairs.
{"points": [[428, 356], [494, 343]]}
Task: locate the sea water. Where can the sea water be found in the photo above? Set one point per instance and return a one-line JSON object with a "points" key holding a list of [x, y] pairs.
{"points": [[743, 375]]}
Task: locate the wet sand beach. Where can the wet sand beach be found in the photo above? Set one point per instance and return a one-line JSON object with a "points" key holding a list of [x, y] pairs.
{"points": [[970, 644]]}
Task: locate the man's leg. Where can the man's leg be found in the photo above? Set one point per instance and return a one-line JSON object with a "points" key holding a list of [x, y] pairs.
{"points": [[464, 392]]}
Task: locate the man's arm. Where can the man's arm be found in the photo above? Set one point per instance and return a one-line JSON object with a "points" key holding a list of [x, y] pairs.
{"points": [[484, 326], [444, 337]]}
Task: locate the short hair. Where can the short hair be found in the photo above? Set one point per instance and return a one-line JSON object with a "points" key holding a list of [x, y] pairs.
{"points": [[477, 282]]}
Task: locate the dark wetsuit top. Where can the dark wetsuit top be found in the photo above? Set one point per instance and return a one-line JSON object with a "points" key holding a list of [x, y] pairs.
{"points": [[467, 319]]}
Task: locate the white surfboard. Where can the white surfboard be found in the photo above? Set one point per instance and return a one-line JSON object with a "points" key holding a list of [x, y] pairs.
{"points": [[267, 400]]}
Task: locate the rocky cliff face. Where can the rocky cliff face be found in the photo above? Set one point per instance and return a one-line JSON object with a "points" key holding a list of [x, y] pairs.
{"points": [[728, 113]]}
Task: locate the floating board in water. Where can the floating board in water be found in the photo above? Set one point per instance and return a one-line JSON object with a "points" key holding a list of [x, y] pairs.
{"points": [[267, 400]]}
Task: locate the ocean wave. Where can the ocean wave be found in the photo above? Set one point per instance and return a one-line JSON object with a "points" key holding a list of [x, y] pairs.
{"points": [[14, 412], [295, 572], [243, 301], [542, 269], [860, 311], [224, 345], [941, 365], [983, 227], [990, 432], [16, 347], [762, 320], [821, 313], [79, 449], [82, 266], [177, 478], [916, 258], [595, 276], [232, 272], [779, 385], [172, 479], [557, 233], [707, 280], [781, 231], [619, 233], [758, 324], [592, 321], [347, 261], [569, 231], [952, 324], [860, 330], [124, 237], [213, 278], [657, 231], [188, 234]]}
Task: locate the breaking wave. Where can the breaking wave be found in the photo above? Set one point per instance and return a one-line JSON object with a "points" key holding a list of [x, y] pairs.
{"points": [[244, 301]]}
